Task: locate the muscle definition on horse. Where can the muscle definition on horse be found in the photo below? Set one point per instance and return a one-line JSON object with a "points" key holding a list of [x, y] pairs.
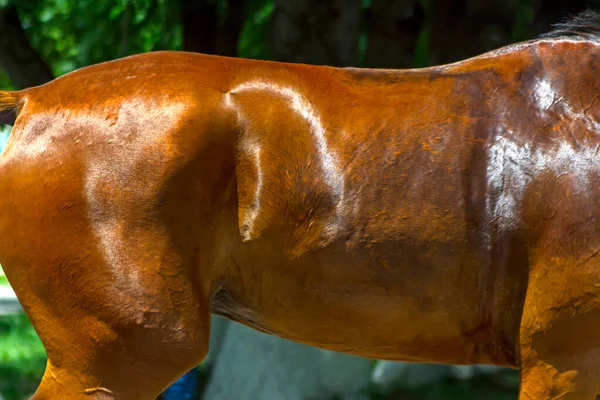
{"points": [[448, 214]]}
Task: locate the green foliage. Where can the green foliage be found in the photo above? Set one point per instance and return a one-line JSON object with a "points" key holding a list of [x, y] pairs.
{"points": [[22, 357], [70, 34], [362, 39], [421, 49], [5, 82], [523, 22], [3, 279], [254, 39]]}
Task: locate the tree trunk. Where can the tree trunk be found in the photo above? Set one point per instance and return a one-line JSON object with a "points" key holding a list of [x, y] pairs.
{"points": [[393, 31], [202, 30], [200, 23], [23, 65], [316, 31], [466, 28], [229, 32]]}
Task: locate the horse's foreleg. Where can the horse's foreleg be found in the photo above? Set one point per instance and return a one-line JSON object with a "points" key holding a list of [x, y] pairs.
{"points": [[560, 331]]}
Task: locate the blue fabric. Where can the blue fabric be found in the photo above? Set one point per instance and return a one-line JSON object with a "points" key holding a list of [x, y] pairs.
{"points": [[185, 388]]}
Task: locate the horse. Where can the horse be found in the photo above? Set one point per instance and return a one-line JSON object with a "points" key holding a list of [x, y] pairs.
{"points": [[448, 214]]}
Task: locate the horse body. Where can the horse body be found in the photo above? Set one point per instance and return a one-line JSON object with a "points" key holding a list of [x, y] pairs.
{"points": [[342, 202], [443, 215]]}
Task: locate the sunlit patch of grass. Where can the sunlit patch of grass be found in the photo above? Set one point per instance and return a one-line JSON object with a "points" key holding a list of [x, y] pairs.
{"points": [[3, 279], [22, 357]]}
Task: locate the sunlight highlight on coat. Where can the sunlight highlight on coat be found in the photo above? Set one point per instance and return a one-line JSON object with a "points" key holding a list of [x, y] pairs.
{"points": [[543, 94], [513, 166], [513, 163], [117, 176], [329, 161], [254, 150]]}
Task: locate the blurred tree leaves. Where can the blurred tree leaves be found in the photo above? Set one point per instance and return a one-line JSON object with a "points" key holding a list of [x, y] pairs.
{"points": [[22, 357], [70, 34], [253, 40]]}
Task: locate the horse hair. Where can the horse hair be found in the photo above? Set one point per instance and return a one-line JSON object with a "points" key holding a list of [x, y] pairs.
{"points": [[585, 25]]}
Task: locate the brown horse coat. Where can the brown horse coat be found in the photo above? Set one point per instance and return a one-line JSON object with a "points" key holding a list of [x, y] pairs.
{"points": [[448, 214]]}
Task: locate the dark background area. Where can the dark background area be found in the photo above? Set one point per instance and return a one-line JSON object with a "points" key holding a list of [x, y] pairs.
{"points": [[43, 39]]}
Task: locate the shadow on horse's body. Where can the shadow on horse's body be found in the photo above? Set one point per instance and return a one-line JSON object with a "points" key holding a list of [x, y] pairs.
{"points": [[447, 214]]}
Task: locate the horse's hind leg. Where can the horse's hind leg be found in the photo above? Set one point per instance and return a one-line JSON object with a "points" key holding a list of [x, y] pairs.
{"points": [[114, 287], [124, 329], [560, 331]]}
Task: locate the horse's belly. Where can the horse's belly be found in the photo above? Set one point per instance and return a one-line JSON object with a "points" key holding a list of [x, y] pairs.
{"points": [[385, 301]]}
